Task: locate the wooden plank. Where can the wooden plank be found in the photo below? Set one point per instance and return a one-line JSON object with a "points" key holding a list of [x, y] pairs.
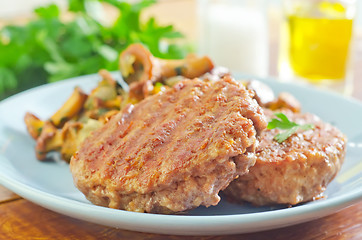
{"points": [[22, 219], [6, 195]]}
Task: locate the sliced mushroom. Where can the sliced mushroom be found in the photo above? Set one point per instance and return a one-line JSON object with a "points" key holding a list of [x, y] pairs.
{"points": [[104, 95], [216, 73], [140, 69], [69, 137], [70, 108], [33, 124], [189, 67], [136, 64], [285, 100], [264, 95], [74, 133], [49, 140]]}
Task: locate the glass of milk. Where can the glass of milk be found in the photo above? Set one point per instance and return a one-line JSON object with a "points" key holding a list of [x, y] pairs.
{"points": [[234, 33]]}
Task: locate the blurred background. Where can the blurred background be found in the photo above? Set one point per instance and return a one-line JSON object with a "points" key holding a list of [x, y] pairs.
{"points": [[184, 27]]}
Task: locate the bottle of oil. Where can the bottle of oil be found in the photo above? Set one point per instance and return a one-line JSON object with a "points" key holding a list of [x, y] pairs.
{"points": [[316, 44]]}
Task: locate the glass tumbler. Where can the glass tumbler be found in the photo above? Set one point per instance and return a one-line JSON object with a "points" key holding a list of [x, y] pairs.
{"points": [[317, 43], [234, 34]]}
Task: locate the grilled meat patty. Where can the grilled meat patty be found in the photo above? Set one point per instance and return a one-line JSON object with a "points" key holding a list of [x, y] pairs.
{"points": [[294, 171], [173, 151]]}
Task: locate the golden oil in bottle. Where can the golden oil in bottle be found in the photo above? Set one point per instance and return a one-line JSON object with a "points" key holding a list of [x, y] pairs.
{"points": [[319, 47], [317, 42]]}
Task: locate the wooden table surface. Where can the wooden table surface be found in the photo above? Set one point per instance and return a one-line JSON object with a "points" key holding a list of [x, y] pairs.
{"points": [[21, 219]]}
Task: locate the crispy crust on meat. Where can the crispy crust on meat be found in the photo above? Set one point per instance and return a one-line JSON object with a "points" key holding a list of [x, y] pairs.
{"points": [[173, 151], [295, 171]]}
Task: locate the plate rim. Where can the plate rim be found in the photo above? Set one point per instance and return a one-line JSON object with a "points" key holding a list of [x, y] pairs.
{"points": [[216, 223], [219, 223]]}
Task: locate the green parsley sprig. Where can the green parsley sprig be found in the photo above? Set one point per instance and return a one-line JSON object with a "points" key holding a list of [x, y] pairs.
{"points": [[282, 122]]}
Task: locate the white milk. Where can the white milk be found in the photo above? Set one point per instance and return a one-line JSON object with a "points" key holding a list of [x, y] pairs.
{"points": [[235, 37]]}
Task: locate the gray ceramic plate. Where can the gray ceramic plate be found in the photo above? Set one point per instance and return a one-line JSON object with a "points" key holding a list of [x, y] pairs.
{"points": [[50, 185]]}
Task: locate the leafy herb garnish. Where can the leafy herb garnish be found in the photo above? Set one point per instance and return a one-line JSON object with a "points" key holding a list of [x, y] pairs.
{"points": [[48, 49], [290, 127]]}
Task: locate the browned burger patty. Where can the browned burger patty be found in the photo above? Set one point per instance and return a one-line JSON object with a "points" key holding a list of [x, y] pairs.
{"points": [[173, 151], [294, 171]]}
